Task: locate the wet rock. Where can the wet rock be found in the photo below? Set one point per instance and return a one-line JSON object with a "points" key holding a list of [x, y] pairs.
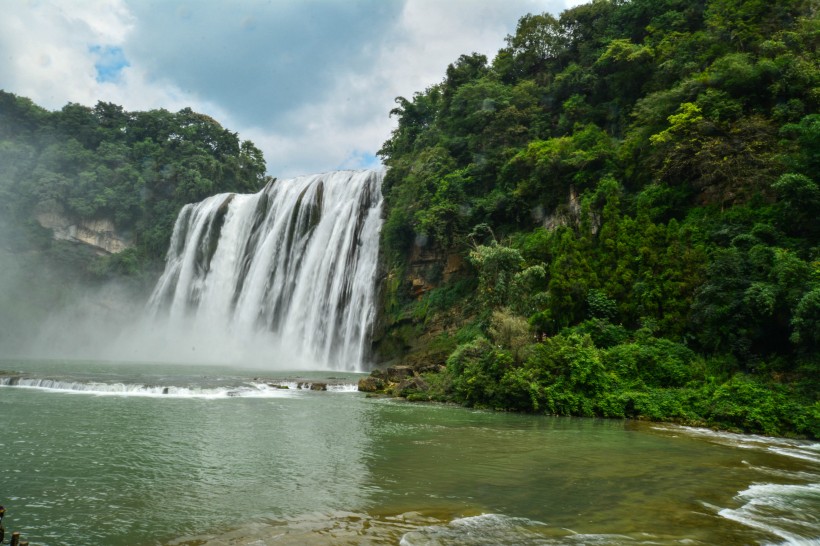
{"points": [[318, 386], [371, 384], [12, 380]]}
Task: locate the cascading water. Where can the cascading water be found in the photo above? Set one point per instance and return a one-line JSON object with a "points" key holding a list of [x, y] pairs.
{"points": [[289, 271]]}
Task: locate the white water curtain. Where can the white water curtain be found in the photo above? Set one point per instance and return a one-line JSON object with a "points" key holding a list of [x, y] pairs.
{"points": [[289, 272]]}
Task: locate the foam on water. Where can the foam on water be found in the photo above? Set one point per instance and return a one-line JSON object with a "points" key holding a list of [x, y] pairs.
{"points": [[245, 390], [787, 511], [808, 452], [797, 449], [501, 529]]}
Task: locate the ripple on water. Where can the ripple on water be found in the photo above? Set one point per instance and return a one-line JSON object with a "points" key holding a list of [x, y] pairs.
{"points": [[786, 510], [414, 529]]}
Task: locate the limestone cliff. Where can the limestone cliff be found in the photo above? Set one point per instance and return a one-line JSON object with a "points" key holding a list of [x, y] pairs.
{"points": [[98, 233]]}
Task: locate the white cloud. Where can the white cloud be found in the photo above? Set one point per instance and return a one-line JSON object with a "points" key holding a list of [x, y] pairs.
{"points": [[353, 119], [238, 64], [46, 48]]}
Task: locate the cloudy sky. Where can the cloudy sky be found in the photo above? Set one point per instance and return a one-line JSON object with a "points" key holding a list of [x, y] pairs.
{"points": [[311, 82]]}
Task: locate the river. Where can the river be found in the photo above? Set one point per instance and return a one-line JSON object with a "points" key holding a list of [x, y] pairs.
{"points": [[96, 453]]}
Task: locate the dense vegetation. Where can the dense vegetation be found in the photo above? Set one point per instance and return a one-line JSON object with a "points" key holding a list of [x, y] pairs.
{"points": [[136, 169], [633, 188]]}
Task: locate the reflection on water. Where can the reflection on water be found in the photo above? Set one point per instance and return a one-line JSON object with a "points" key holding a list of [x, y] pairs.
{"points": [[91, 466]]}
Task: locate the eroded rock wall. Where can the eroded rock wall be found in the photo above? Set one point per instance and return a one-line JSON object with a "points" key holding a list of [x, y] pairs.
{"points": [[99, 233]]}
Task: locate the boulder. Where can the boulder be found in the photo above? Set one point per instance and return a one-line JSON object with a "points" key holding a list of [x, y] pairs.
{"points": [[318, 386], [371, 384]]}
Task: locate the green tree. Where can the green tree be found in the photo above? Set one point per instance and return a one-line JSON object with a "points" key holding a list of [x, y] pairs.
{"points": [[497, 266]]}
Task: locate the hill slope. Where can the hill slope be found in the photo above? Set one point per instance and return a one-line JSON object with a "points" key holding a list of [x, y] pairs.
{"points": [[617, 216]]}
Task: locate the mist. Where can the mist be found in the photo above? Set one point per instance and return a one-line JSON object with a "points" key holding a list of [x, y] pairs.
{"points": [[303, 300], [51, 307], [49, 311]]}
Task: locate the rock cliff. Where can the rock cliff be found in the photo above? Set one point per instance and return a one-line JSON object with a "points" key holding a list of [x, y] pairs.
{"points": [[99, 233]]}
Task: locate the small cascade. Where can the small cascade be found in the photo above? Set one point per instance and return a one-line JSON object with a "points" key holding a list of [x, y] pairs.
{"points": [[289, 270], [245, 389]]}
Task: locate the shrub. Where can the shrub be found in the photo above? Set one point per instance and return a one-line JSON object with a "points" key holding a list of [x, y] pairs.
{"points": [[477, 368], [656, 362]]}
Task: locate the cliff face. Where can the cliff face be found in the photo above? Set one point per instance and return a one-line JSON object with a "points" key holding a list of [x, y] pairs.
{"points": [[429, 268], [99, 234], [414, 327], [404, 334], [570, 214]]}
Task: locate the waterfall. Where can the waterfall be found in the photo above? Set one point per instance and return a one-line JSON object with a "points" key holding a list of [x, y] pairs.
{"points": [[289, 272]]}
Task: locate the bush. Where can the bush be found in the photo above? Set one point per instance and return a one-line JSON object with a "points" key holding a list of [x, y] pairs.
{"points": [[510, 332], [477, 368], [745, 404], [604, 334], [570, 371], [656, 362]]}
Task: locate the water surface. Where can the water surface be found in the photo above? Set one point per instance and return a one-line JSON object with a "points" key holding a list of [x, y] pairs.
{"points": [[127, 454]]}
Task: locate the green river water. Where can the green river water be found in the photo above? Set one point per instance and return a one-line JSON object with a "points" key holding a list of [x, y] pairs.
{"points": [[123, 454]]}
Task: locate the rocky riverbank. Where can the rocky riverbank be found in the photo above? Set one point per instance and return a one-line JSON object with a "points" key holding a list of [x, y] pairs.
{"points": [[401, 381]]}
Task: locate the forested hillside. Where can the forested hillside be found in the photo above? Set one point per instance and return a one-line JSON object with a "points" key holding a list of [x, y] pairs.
{"points": [[134, 169], [632, 189], [79, 174]]}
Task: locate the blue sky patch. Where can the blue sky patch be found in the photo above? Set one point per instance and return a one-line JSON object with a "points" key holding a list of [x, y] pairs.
{"points": [[110, 62], [361, 160]]}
